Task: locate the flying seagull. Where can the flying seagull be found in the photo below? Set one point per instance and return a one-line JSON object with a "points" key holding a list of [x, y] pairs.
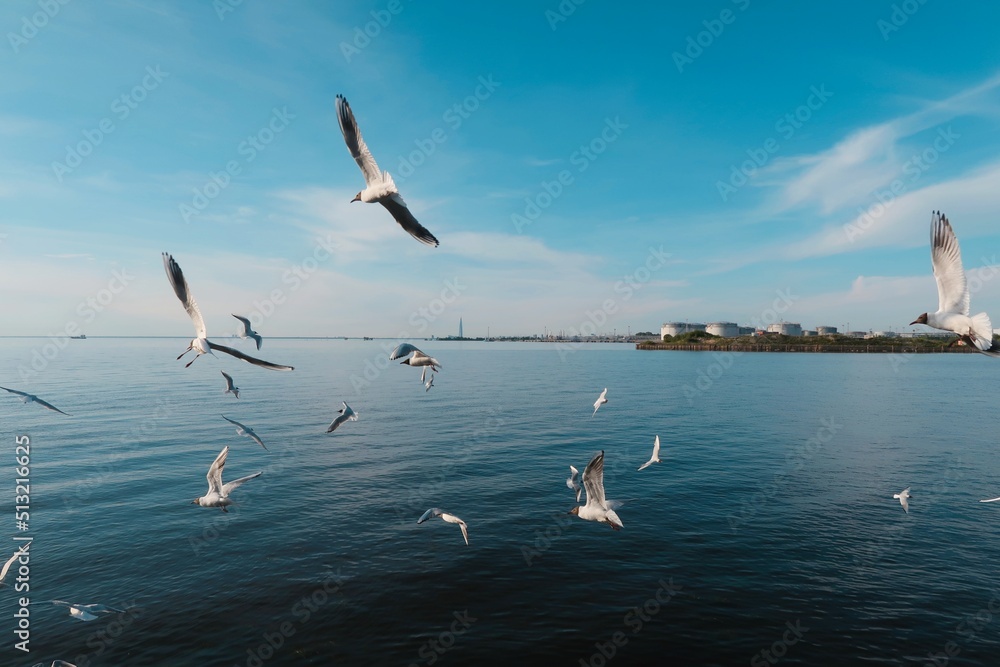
{"points": [[242, 429], [248, 331], [87, 612], [230, 387], [346, 413], [601, 400], [655, 458], [417, 358], [450, 518], [31, 398], [218, 493], [904, 499], [21, 551], [953, 292], [201, 345], [379, 186], [597, 508], [429, 383], [573, 484]]}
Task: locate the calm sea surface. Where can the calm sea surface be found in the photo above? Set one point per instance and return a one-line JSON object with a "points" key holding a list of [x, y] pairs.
{"points": [[768, 535]]}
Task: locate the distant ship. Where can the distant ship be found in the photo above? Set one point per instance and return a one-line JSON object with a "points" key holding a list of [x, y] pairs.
{"points": [[80, 337]]}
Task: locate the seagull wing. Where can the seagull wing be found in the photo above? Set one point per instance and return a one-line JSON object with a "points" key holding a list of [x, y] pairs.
{"points": [[257, 339], [337, 422], [401, 351], [429, 514], [246, 324], [254, 437], [50, 406], [247, 358], [229, 486], [656, 447], [451, 518], [15, 391], [183, 292], [229, 380], [6, 566], [214, 475], [991, 500], [234, 422], [355, 144], [593, 481], [401, 212], [946, 258]]}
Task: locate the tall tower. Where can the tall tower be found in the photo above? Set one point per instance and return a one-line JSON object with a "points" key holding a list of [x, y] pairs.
{"points": [[460, 328]]}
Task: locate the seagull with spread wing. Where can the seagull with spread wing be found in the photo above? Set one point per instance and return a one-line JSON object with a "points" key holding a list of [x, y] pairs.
{"points": [[242, 429], [218, 493], [31, 398], [248, 331], [346, 414], [379, 186], [201, 345], [597, 507], [953, 292], [655, 458], [448, 518], [230, 387]]}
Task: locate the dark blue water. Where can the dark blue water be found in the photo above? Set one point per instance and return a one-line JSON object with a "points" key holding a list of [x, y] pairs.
{"points": [[769, 526]]}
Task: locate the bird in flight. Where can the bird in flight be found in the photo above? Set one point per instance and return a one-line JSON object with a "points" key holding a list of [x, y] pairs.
{"points": [[953, 292], [346, 413], [655, 458], [230, 387], [449, 518], [201, 345], [597, 507], [31, 398], [248, 331], [379, 186], [601, 400], [218, 493]]}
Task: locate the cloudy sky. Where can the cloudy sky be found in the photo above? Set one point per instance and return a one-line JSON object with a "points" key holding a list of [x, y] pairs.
{"points": [[579, 164]]}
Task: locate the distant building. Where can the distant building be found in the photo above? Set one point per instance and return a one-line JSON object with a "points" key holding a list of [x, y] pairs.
{"points": [[881, 334], [856, 334], [785, 328], [809, 332], [826, 331], [723, 329], [679, 328], [747, 331]]}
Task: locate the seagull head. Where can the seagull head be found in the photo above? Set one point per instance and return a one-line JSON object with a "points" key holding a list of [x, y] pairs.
{"points": [[196, 501], [920, 320], [575, 510], [357, 197]]}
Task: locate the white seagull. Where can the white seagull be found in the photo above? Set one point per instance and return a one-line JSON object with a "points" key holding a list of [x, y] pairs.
{"points": [[379, 186], [218, 493], [655, 458], [417, 358], [201, 345], [429, 383], [601, 400], [248, 331], [21, 551], [953, 292], [346, 413], [242, 429], [87, 612], [31, 398], [572, 483], [597, 508], [904, 499], [450, 518], [230, 387]]}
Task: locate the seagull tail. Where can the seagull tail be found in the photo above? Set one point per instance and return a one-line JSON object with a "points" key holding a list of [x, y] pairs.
{"points": [[983, 331]]}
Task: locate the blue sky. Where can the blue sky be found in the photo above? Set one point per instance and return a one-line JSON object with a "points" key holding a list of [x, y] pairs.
{"points": [[638, 122]]}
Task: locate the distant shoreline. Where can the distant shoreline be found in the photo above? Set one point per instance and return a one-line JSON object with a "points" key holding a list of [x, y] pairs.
{"points": [[807, 348]]}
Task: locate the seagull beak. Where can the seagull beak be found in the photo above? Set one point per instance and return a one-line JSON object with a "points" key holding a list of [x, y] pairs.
{"points": [[357, 197], [915, 322]]}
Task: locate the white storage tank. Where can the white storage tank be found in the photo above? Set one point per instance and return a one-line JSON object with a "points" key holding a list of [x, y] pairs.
{"points": [[723, 329], [679, 328], [826, 331], [786, 328]]}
